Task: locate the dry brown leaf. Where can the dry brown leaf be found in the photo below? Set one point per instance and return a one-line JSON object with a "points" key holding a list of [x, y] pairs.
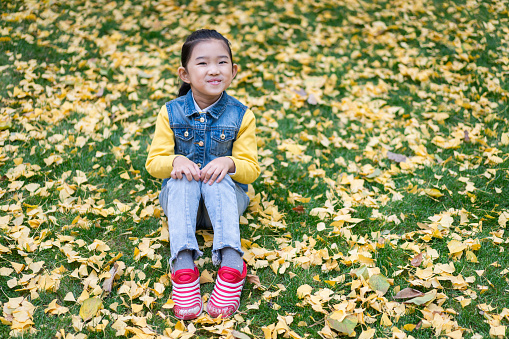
{"points": [[312, 99], [417, 260], [299, 209], [108, 283], [396, 157], [426, 298], [254, 279], [408, 293], [466, 136]]}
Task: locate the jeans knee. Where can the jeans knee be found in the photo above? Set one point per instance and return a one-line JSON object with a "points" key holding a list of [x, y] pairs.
{"points": [[226, 184], [183, 185]]}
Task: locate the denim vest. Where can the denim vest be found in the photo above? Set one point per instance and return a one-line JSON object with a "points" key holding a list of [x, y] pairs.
{"points": [[203, 137]]}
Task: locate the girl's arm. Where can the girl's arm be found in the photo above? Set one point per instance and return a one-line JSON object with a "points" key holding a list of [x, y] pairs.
{"points": [[245, 152], [162, 150]]}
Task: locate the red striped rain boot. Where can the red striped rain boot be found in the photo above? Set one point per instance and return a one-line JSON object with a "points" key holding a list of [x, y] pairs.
{"points": [[186, 294], [225, 298]]}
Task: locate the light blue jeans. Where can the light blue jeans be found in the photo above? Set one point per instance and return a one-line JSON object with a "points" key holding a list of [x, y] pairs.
{"points": [[188, 203]]}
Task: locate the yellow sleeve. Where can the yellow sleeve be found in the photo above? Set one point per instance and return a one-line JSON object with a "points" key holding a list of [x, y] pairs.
{"points": [[162, 150], [245, 152]]}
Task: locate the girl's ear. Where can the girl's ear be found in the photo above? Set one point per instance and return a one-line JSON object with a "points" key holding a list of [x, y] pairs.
{"points": [[183, 75], [235, 69]]}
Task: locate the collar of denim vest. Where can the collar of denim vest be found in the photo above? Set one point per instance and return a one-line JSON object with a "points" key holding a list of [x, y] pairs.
{"points": [[208, 108], [215, 111]]}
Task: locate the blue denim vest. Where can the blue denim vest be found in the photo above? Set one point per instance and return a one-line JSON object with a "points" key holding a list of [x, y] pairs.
{"points": [[203, 137]]}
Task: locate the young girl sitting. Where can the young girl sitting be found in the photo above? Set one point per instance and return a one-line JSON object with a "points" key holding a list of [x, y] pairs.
{"points": [[204, 148]]}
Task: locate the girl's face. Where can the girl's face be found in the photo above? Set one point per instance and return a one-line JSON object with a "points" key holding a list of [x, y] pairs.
{"points": [[209, 71]]}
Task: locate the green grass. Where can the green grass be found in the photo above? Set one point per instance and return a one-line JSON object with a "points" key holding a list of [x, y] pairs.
{"points": [[104, 41]]}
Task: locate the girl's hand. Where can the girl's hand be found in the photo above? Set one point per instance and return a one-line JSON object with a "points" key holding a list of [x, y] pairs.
{"points": [[182, 166], [217, 169]]}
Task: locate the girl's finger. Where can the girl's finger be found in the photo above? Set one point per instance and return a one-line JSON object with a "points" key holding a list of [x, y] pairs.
{"points": [[205, 171], [188, 174], [214, 176], [197, 173], [207, 175], [221, 176]]}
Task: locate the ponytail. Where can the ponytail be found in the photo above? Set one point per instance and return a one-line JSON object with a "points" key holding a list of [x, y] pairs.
{"points": [[184, 88], [188, 46]]}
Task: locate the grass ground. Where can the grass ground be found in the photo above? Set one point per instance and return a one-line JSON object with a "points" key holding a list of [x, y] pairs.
{"points": [[383, 134]]}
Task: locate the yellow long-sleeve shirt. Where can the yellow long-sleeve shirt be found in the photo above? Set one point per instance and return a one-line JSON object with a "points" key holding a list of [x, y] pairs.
{"points": [[244, 153]]}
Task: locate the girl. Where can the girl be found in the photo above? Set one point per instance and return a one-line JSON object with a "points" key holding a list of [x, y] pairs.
{"points": [[204, 148]]}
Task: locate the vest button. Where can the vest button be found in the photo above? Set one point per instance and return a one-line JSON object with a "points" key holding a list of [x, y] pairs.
{"points": [[223, 136], [186, 134], [202, 119], [200, 144], [199, 165]]}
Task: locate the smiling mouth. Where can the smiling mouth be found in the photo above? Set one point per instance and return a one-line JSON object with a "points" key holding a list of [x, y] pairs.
{"points": [[214, 82]]}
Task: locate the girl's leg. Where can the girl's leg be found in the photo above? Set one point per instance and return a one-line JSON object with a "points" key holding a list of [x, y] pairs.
{"points": [[180, 199], [203, 220], [223, 211], [229, 256]]}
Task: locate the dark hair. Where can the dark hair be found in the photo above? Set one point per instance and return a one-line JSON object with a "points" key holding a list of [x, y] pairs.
{"points": [[187, 49]]}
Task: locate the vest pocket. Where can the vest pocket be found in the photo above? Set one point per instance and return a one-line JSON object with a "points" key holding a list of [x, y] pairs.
{"points": [[222, 142], [183, 140]]}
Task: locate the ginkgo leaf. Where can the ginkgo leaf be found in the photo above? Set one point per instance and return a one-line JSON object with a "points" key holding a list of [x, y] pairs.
{"points": [[206, 277], [347, 326], [360, 272], [169, 304], [125, 175], [55, 309], [240, 335], [503, 218], [367, 334], [433, 192], [5, 125], [455, 334], [409, 327], [379, 283], [136, 307], [69, 297], [471, 257], [32, 187], [385, 321], [90, 307], [304, 290]]}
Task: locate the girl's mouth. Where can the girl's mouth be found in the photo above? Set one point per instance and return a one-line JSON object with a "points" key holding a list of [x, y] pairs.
{"points": [[214, 82]]}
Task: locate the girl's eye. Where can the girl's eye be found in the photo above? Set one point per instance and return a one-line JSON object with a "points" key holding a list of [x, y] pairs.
{"points": [[223, 62], [201, 63]]}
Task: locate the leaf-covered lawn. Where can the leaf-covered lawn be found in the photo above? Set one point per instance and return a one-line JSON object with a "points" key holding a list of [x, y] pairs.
{"points": [[382, 207]]}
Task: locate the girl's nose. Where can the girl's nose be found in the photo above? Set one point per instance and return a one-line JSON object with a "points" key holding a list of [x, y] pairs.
{"points": [[213, 69]]}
